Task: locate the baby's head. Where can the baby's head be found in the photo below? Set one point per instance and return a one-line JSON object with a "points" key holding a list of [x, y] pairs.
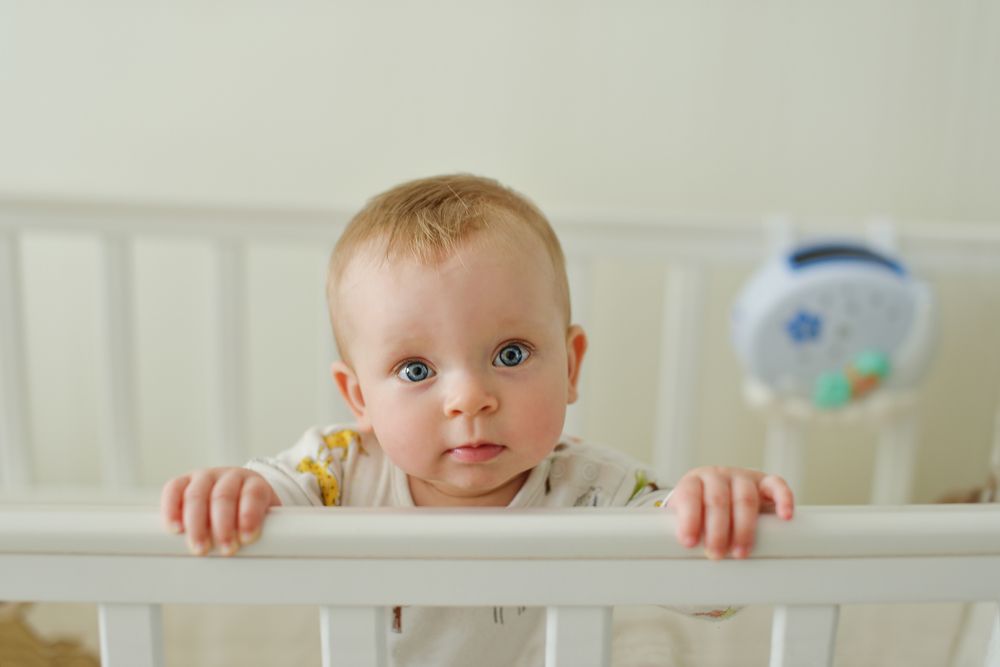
{"points": [[450, 307], [428, 219]]}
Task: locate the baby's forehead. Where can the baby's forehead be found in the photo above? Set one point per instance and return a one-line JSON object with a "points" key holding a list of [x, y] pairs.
{"points": [[515, 249], [375, 269]]}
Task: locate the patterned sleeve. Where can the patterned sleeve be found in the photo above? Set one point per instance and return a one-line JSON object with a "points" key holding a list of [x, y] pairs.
{"points": [[311, 471], [647, 493]]}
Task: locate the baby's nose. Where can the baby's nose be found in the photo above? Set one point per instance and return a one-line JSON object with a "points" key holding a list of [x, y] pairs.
{"points": [[470, 395]]}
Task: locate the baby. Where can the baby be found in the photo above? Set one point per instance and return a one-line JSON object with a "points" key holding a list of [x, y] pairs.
{"points": [[451, 312]]}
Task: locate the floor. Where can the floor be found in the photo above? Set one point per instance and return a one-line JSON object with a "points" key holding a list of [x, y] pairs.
{"points": [[868, 636]]}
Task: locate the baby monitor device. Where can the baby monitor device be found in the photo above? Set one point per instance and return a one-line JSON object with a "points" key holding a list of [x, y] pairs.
{"points": [[831, 322]]}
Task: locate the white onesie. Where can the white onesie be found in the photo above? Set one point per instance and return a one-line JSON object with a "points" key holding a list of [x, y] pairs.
{"points": [[337, 466]]}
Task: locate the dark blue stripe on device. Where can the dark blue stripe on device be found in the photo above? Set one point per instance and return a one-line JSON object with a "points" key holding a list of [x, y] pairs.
{"points": [[841, 252]]}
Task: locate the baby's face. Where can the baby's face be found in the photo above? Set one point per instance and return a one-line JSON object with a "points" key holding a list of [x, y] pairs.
{"points": [[462, 369]]}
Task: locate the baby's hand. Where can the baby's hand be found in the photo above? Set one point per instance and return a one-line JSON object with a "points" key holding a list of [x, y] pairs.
{"points": [[726, 502], [221, 505]]}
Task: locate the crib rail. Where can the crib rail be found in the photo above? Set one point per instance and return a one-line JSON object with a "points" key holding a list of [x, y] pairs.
{"points": [[578, 563], [940, 245], [691, 248]]}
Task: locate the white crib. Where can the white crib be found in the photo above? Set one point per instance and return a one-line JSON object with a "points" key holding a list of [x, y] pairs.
{"points": [[117, 556], [577, 563]]}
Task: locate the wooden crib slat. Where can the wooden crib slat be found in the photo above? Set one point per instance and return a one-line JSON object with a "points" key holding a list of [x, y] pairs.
{"points": [[580, 274], [229, 305], [680, 352], [330, 408], [119, 466], [15, 467], [578, 637], [131, 635], [353, 636], [804, 635]]}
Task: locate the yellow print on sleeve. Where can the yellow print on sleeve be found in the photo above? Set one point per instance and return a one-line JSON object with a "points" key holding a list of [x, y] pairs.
{"points": [[321, 469], [341, 440]]}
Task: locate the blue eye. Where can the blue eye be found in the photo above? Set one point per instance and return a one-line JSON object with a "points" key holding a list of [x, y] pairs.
{"points": [[414, 371], [511, 355]]}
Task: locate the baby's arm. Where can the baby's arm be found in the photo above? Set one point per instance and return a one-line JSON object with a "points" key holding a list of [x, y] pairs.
{"points": [[224, 506], [722, 505]]}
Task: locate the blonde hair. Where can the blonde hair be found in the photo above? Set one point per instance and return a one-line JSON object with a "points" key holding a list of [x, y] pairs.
{"points": [[429, 218]]}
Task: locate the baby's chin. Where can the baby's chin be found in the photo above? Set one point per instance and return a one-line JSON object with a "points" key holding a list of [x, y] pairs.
{"points": [[472, 489]]}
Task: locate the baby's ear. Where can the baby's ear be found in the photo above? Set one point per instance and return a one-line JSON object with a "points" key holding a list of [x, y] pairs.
{"points": [[576, 347], [350, 389]]}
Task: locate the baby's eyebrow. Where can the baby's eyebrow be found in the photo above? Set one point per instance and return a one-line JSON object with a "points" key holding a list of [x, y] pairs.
{"points": [[400, 343], [398, 347]]}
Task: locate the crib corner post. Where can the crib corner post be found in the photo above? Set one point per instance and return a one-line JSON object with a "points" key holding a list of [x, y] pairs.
{"points": [[131, 635]]}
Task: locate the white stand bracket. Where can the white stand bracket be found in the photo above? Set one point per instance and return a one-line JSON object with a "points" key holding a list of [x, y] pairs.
{"points": [[893, 414]]}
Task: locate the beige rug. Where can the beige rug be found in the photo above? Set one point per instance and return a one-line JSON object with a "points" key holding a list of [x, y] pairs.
{"points": [[23, 646]]}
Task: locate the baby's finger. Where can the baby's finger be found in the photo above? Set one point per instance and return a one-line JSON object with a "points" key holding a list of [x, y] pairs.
{"points": [[686, 500], [171, 503], [255, 499], [718, 514], [746, 507], [196, 523], [776, 490], [222, 510]]}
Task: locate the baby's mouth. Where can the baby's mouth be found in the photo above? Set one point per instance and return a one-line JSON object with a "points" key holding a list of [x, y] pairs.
{"points": [[476, 452]]}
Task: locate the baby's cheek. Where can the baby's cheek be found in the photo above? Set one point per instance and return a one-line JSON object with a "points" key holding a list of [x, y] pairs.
{"points": [[398, 430], [544, 417]]}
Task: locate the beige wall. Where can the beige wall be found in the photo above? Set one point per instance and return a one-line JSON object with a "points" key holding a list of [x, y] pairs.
{"points": [[822, 107], [646, 108]]}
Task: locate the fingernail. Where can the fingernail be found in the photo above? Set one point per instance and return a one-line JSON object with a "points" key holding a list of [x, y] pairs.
{"points": [[227, 548], [198, 548], [175, 527], [689, 541], [740, 552], [250, 538]]}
